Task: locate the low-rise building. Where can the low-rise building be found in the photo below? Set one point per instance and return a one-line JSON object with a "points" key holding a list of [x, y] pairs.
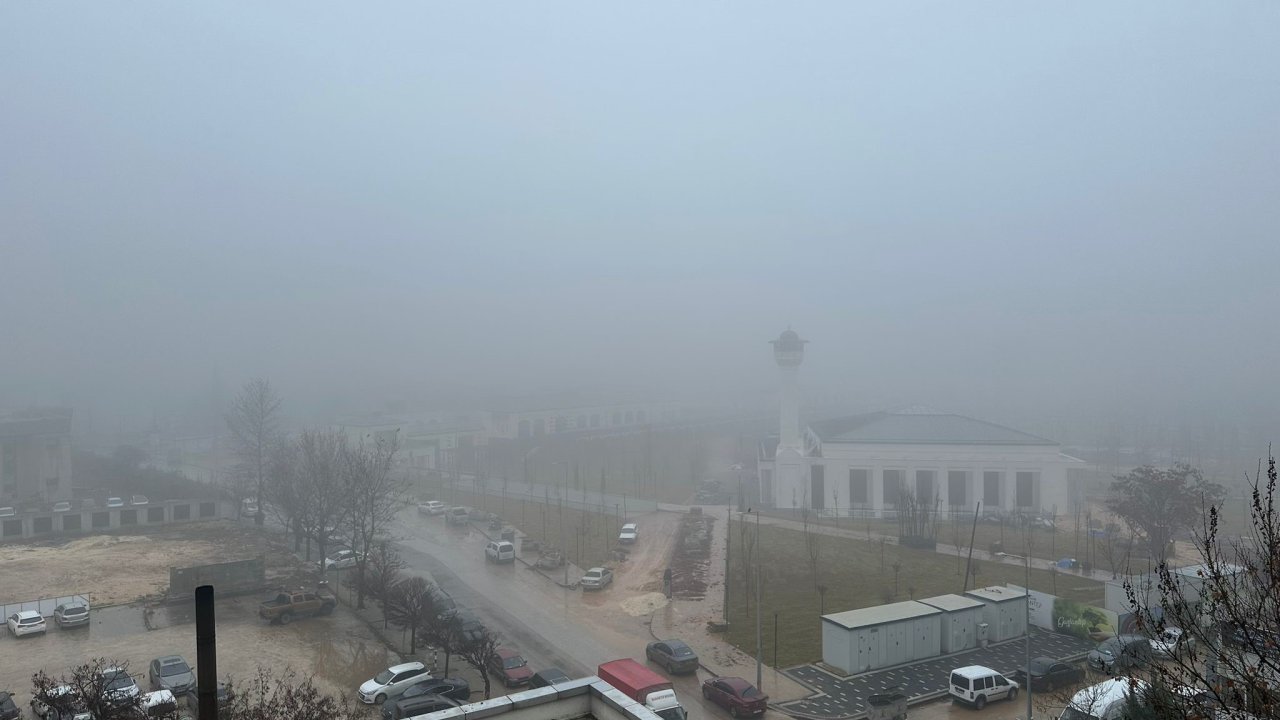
{"points": [[35, 456]]}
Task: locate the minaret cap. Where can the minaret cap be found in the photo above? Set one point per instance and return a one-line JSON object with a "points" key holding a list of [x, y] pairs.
{"points": [[788, 349]]}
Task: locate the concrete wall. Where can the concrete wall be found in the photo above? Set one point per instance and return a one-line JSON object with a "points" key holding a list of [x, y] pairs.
{"points": [[227, 577], [43, 524]]}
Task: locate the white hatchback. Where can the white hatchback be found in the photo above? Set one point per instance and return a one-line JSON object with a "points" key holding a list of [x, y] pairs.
{"points": [[27, 622], [391, 681]]}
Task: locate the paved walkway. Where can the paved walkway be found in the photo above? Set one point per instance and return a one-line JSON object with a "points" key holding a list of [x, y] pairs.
{"points": [[843, 697]]}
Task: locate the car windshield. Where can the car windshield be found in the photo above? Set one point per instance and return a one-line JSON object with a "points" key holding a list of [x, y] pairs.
{"points": [[381, 678], [74, 610], [174, 668], [1040, 666], [750, 693], [513, 662], [680, 650], [675, 713], [118, 681]]}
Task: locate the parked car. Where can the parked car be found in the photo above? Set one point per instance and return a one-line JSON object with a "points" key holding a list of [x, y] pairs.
{"points": [[628, 534], [171, 673], [160, 704], [71, 615], [1170, 642], [1119, 653], [976, 685], [61, 507], [139, 500], [1049, 674], [510, 667], [391, 681], [431, 507], [249, 507], [597, 578], [415, 706], [468, 626], [548, 677], [115, 502], [1108, 700], [286, 606], [7, 512], [60, 703], [458, 515], [341, 560], [500, 551], [454, 688], [673, 655], [8, 708], [736, 695], [118, 686], [26, 622]]}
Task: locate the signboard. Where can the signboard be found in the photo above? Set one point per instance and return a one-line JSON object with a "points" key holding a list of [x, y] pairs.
{"points": [[1070, 617]]}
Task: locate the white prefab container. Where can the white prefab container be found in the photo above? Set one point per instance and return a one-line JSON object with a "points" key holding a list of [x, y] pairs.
{"points": [[959, 622], [1004, 612], [882, 636]]}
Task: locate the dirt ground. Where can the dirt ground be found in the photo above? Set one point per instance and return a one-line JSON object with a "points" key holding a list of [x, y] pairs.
{"points": [[338, 650], [122, 567]]}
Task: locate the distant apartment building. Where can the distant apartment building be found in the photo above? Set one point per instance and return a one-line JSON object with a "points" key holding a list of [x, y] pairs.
{"points": [[537, 417], [35, 455]]}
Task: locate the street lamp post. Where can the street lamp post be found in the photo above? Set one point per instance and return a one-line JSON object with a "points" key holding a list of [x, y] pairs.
{"points": [[1026, 589]]}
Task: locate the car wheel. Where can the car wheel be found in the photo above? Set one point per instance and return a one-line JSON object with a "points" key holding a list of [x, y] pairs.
{"points": [[981, 702], [380, 698], [733, 710], [286, 618], [706, 693], [1013, 694]]}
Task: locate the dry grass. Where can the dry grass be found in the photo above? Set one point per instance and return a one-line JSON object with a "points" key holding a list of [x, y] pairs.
{"points": [[855, 576]]}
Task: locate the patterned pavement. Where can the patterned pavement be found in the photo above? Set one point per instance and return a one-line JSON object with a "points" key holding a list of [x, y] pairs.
{"points": [[843, 697]]}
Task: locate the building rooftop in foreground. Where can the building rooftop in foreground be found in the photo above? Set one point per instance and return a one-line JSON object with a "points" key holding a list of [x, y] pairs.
{"points": [[588, 697], [879, 614]]}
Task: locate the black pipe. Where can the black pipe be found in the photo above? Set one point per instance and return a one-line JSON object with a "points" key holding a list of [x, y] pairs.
{"points": [[206, 655]]}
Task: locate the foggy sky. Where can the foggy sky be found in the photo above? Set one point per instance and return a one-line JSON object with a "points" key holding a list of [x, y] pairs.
{"points": [[1011, 209]]}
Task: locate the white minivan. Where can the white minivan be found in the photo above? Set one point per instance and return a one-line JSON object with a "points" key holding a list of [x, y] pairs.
{"points": [[500, 551], [975, 685]]}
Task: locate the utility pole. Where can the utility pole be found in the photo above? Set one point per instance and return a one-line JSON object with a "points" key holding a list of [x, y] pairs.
{"points": [[728, 545]]}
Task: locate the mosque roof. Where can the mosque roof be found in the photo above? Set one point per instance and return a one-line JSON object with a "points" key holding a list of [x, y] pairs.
{"points": [[920, 425]]}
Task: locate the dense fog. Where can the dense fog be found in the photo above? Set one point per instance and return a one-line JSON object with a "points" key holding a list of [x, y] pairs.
{"points": [[1056, 216]]}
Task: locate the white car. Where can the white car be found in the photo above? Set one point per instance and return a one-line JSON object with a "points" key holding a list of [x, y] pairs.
{"points": [[341, 560], [1170, 642], [629, 534], [118, 686], [62, 507], [431, 507], [976, 685], [500, 551], [115, 502], [597, 578], [139, 500], [391, 681], [27, 622], [7, 512], [76, 707]]}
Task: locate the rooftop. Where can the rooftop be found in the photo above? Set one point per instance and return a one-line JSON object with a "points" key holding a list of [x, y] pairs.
{"points": [[880, 614], [588, 697], [997, 593], [918, 425], [952, 602]]}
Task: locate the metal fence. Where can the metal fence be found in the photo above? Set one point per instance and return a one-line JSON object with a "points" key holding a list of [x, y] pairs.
{"points": [[44, 606]]}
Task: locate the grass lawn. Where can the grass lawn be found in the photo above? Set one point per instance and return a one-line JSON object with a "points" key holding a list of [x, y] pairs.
{"points": [[587, 537], [855, 576]]}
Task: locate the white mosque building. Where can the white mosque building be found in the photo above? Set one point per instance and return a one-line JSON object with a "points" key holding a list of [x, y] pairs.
{"points": [[858, 465]]}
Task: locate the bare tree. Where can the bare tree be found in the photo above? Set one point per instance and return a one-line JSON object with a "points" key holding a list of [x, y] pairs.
{"points": [[373, 492], [324, 486], [1157, 504], [1228, 611], [917, 515], [444, 630], [254, 422], [812, 546], [266, 696], [479, 650], [286, 492], [411, 604], [92, 687]]}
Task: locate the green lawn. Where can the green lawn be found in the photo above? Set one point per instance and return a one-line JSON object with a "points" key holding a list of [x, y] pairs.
{"points": [[855, 576]]}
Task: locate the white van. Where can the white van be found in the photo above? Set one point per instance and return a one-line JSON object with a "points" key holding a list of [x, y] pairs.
{"points": [[975, 685], [1105, 701]]}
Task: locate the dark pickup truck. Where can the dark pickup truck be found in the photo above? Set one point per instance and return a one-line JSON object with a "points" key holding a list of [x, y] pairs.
{"points": [[287, 606]]}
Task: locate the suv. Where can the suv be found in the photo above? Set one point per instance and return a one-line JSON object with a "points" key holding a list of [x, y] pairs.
{"points": [[975, 685], [118, 686], [458, 515], [26, 622], [1120, 653], [597, 578], [391, 681], [507, 664], [431, 507], [500, 551]]}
